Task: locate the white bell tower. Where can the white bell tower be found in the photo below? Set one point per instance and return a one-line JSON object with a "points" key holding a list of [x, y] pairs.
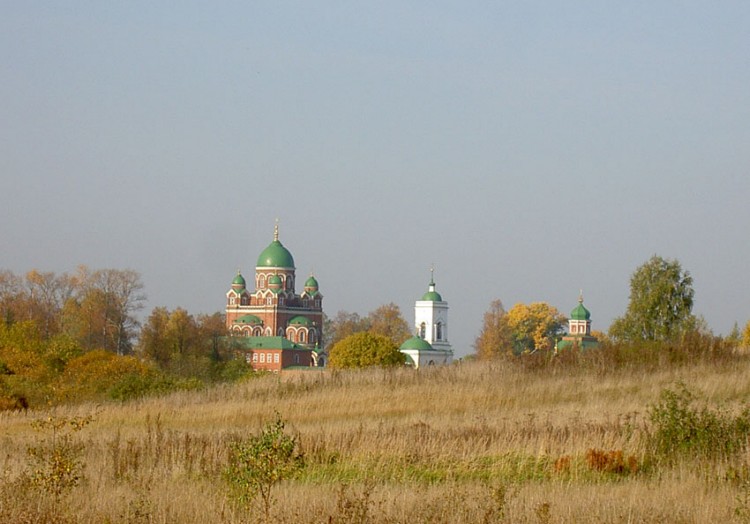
{"points": [[431, 318]]}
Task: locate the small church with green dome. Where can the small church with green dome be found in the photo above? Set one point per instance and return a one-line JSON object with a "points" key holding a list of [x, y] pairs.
{"points": [[579, 330], [273, 326]]}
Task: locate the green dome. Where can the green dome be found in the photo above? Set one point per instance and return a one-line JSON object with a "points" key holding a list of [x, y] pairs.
{"points": [[299, 320], [239, 280], [274, 280], [248, 319], [416, 342], [275, 255], [580, 313], [432, 296], [311, 282]]}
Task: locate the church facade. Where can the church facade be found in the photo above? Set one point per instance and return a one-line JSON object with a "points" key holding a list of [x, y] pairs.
{"points": [[273, 325]]}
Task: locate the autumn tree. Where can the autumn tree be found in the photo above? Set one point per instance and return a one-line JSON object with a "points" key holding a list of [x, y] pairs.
{"points": [[746, 336], [525, 328], [153, 342], [180, 342], [534, 326], [344, 324], [661, 303], [212, 330], [10, 290], [495, 338], [102, 311], [388, 321], [37, 296], [365, 349]]}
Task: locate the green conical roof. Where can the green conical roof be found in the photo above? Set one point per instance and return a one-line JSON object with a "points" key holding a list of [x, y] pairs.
{"points": [[416, 342]]}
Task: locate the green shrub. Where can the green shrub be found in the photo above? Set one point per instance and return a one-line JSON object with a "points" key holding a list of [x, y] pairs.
{"points": [[55, 462], [681, 428], [260, 462], [232, 370], [134, 386]]}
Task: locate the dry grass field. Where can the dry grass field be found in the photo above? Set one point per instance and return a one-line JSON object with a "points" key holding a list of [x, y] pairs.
{"points": [[474, 442]]}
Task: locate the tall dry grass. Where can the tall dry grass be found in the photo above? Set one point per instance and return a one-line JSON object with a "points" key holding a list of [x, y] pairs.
{"points": [[503, 441]]}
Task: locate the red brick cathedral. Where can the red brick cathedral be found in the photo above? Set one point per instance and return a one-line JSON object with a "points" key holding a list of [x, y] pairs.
{"points": [[274, 326]]}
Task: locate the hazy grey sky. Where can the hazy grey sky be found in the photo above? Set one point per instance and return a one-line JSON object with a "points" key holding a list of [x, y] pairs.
{"points": [[527, 149]]}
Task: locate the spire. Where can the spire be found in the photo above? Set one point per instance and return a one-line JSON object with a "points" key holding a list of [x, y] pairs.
{"points": [[580, 297], [276, 231], [432, 274]]}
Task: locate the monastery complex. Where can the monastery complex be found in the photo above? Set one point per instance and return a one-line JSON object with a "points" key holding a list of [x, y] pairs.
{"points": [[276, 328]]}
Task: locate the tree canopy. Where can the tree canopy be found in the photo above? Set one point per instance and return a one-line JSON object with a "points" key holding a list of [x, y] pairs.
{"points": [[365, 349], [495, 338], [523, 329], [746, 335], [386, 320], [534, 326], [96, 308], [661, 303], [344, 324]]}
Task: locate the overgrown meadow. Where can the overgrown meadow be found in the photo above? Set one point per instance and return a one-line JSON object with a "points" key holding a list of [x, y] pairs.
{"points": [[622, 434]]}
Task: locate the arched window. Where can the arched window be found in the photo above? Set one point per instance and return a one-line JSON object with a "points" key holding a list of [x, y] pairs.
{"points": [[296, 358], [231, 301], [268, 331], [257, 332], [280, 332], [301, 336], [261, 281], [439, 331], [312, 336], [422, 330]]}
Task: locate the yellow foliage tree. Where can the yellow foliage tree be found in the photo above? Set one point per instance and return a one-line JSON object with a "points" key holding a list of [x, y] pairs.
{"points": [[95, 372], [365, 349], [534, 326], [746, 336], [495, 338]]}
